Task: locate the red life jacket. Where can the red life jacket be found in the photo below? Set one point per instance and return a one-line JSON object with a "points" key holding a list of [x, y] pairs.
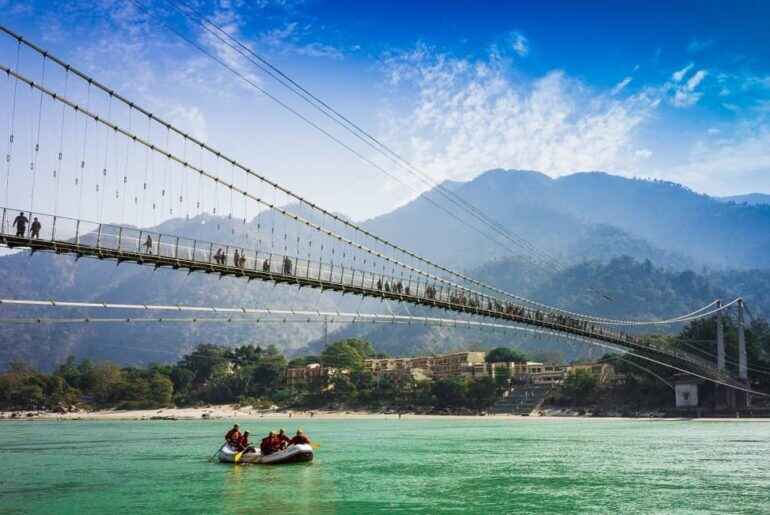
{"points": [[233, 435]]}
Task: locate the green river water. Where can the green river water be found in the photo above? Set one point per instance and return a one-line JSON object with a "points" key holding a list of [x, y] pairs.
{"points": [[382, 466]]}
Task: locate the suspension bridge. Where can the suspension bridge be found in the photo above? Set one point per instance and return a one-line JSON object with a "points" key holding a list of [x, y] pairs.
{"points": [[89, 173]]}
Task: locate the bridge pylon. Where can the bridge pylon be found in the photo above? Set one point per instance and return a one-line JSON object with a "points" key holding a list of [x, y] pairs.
{"points": [[725, 397], [744, 398]]}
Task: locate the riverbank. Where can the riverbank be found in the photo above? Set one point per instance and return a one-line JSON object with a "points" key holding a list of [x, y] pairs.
{"points": [[235, 412]]}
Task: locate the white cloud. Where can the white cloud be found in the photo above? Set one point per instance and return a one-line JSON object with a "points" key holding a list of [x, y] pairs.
{"points": [[468, 116], [696, 79], [643, 153], [686, 95], [520, 44], [620, 86], [677, 76], [292, 38], [510, 45]]}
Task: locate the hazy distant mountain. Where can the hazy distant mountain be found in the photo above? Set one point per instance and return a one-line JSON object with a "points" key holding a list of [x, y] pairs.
{"points": [[590, 216], [751, 199], [529, 205]]}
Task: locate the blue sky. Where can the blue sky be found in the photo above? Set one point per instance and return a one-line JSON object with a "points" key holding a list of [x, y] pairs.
{"points": [[677, 91]]}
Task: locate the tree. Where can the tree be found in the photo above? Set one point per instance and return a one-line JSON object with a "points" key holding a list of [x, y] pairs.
{"points": [[161, 390], [348, 353], [579, 385], [502, 379], [304, 360], [104, 380], [265, 377], [451, 392], [205, 361], [505, 355], [482, 393], [182, 378]]}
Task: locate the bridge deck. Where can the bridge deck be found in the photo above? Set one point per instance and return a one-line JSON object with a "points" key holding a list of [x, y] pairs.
{"points": [[126, 244]]}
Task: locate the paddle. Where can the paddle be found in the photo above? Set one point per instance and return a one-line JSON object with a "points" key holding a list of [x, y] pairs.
{"points": [[215, 454]]}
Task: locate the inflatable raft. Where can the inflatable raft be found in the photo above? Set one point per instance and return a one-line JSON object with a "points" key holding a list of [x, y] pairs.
{"points": [[292, 454]]}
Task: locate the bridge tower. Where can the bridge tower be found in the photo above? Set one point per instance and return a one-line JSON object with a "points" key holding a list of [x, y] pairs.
{"points": [[720, 338], [725, 397], [743, 371], [743, 368]]}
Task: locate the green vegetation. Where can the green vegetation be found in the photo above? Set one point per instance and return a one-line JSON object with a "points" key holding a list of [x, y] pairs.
{"points": [[579, 386], [252, 375], [246, 375], [505, 355], [349, 353]]}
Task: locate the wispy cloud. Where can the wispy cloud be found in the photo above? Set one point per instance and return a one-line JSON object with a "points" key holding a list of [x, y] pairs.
{"points": [[293, 38], [678, 75], [620, 86], [469, 115], [519, 43], [512, 44], [687, 94]]}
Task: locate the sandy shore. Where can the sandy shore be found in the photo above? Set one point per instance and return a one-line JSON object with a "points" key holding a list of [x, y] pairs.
{"points": [[235, 412]]}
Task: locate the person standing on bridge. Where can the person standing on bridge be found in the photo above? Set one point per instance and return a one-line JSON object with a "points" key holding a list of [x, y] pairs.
{"points": [[20, 222], [148, 245], [236, 258], [34, 229]]}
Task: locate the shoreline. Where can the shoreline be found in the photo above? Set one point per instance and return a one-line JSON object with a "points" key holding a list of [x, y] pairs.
{"points": [[234, 412]]}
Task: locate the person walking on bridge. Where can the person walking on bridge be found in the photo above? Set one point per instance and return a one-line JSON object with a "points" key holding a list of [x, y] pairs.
{"points": [[148, 245], [34, 229], [20, 222]]}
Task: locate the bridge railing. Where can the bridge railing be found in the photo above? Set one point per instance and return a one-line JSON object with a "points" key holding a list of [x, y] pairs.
{"points": [[229, 258], [142, 242]]}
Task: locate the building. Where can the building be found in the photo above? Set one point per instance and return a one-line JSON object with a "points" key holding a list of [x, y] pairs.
{"points": [[604, 372], [452, 365], [686, 390], [434, 367], [458, 364], [312, 373]]}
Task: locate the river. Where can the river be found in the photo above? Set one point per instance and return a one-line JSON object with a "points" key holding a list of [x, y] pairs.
{"points": [[406, 466]]}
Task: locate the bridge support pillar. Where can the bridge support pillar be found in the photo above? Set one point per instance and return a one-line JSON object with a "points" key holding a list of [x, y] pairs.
{"points": [[720, 339], [744, 399], [723, 396]]}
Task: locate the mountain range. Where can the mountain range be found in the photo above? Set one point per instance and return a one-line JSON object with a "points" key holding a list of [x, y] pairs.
{"points": [[751, 199], [607, 245]]}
